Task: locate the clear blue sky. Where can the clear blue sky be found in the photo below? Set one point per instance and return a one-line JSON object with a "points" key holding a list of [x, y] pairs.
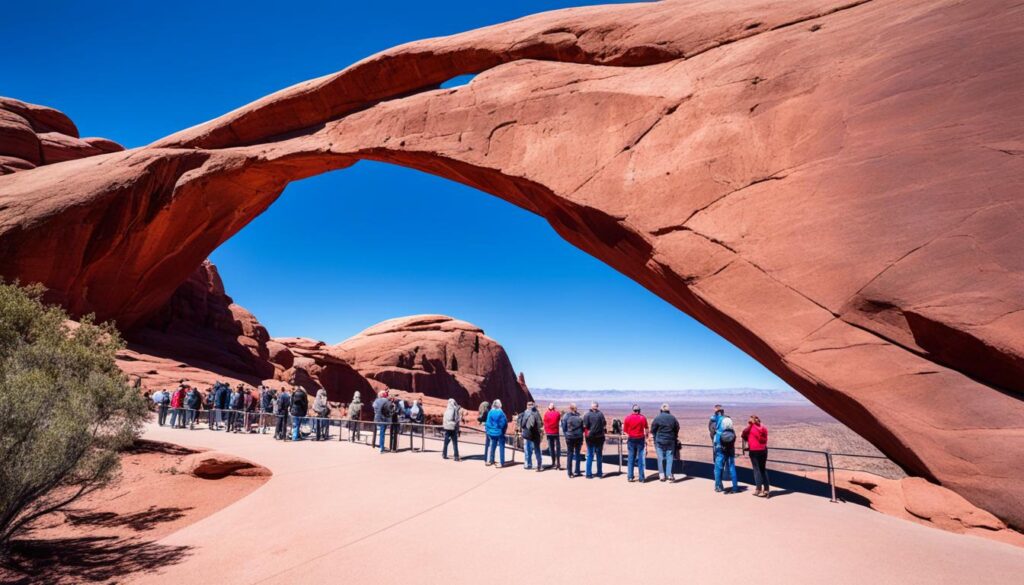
{"points": [[342, 251]]}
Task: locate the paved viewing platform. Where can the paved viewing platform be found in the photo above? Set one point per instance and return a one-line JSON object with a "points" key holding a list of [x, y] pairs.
{"points": [[341, 512]]}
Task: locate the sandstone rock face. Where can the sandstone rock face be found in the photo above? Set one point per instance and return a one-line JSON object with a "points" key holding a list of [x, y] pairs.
{"points": [[917, 500], [32, 135], [831, 185], [201, 325], [436, 356], [202, 336]]}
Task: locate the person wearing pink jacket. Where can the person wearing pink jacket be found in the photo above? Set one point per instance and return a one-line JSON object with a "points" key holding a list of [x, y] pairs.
{"points": [[756, 436]]}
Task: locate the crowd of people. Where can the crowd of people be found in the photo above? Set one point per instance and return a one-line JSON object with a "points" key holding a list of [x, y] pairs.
{"points": [[288, 411]]}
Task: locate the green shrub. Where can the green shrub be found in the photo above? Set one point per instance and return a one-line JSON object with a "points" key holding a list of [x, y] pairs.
{"points": [[65, 409]]}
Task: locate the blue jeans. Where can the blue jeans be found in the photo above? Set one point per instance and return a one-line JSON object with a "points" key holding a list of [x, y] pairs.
{"points": [[296, 423], [572, 448], [721, 462], [453, 438], [664, 459], [496, 443], [533, 448], [175, 414], [595, 448], [382, 431], [637, 456]]}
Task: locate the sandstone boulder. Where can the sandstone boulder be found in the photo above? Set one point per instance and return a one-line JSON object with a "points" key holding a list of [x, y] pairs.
{"points": [[217, 465], [437, 356]]}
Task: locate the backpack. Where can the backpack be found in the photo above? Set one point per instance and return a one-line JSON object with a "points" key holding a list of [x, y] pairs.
{"points": [[728, 437]]}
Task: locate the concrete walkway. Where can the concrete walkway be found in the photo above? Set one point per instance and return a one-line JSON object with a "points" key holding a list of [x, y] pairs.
{"points": [[337, 512]]}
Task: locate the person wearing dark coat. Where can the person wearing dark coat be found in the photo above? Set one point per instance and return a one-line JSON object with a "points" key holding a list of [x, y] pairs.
{"points": [[284, 402], [594, 423], [665, 430], [298, 410], [572, 430]]}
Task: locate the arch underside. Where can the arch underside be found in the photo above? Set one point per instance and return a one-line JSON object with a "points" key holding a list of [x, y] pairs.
{"points": [[833, 187]]}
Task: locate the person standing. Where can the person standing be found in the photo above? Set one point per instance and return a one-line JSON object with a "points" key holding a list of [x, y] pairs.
{"points": [[266, 407], [397, 414], [572, 430], [635, 426], [382, 417], [284, 403], [193, 401], [594, 424], [532, 428], [725, 454], [178, 408], [552, 418], [716, 417], [496, 426], [222, 398], [756, 436], [236, 402], [299, 409], [450, 422], [665, 430], [163, 402], [208, 404], [322, 410], [354, 415]]}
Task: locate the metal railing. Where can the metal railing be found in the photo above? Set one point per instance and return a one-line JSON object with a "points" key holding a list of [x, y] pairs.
{"points": [[358, 431]]}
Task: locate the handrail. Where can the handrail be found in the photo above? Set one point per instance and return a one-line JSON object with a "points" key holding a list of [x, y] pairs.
{"points": [[357, 426]]}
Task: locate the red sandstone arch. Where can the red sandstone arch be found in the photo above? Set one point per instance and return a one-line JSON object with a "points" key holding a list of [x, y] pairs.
{"points": [[832, 186]]}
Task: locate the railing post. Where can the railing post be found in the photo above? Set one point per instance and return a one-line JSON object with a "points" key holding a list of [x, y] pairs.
{"points": [[620, 454], [831, 472]]}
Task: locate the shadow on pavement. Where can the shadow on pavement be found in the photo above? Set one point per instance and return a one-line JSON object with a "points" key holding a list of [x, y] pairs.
{"points": [[77, 560]]}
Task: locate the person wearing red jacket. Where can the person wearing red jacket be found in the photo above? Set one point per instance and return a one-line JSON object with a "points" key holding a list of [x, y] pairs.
{"points": [[552, 418], [756, 436], [635, 426], [177, 407]]}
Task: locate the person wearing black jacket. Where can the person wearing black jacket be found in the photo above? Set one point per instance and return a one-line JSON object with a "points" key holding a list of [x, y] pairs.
{"points": [[284, 402], [298, 410], [594, 423], [665, 430], [572, 430]]}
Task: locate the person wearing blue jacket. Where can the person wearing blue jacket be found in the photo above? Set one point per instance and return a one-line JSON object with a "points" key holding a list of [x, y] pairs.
{"points": [[725, 453], [496, 425], [572, 430]]}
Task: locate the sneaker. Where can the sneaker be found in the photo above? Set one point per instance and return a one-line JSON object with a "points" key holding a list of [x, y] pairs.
{"points": [[718, 490], [672, 478], [457, 459], [630, 480], [661, 476]]}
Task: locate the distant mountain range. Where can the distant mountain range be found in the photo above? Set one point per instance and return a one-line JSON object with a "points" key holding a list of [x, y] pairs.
{"points": [[703, 396]]}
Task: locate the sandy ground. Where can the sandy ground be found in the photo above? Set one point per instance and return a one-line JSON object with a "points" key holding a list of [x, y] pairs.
{"points": [[109, 533], [336, 511]]}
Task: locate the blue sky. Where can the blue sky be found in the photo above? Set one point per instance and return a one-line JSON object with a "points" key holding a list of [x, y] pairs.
{"points": [[342, 251]]}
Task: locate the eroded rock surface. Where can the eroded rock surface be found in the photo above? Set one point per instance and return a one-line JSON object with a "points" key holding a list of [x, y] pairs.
{"points": [[32, 135], [833, 186]]}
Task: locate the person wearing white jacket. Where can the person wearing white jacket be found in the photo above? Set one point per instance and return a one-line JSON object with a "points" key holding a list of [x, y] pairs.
{"points": [[450, 423]]}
